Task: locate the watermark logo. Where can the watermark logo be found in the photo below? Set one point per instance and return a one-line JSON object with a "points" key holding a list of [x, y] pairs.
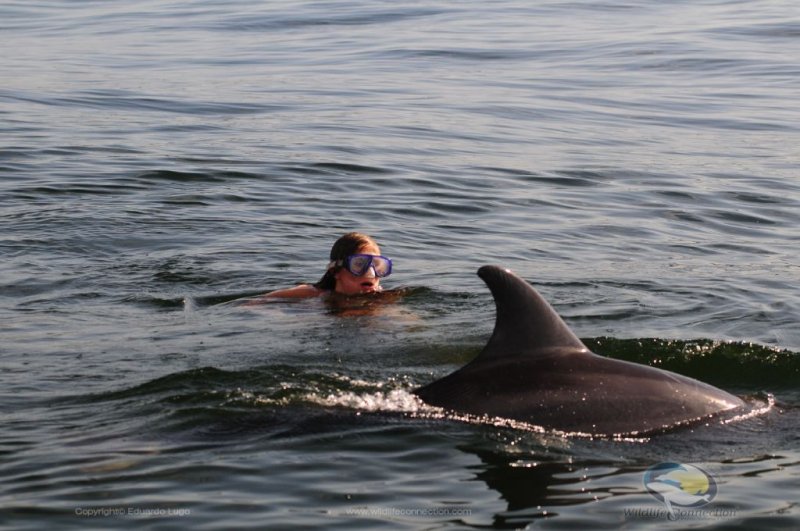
{"points": [[679, 485]]}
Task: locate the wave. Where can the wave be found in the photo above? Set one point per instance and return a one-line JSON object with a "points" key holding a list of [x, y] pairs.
{"points": [[740, 365], [289, 397], [745, 368]]}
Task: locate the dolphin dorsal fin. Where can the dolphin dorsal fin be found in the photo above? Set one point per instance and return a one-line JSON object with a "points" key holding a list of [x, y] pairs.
{"points": [[526, 323]]}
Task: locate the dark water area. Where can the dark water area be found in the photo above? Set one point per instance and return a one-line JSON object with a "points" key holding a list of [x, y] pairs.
{"points": [[635, 161]]}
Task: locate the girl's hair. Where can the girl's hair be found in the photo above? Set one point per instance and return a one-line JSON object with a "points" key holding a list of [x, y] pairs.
{"points": [[348, 244]]}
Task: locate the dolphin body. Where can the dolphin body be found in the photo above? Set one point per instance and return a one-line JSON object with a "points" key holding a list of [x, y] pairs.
{"points": [[535, 369]]}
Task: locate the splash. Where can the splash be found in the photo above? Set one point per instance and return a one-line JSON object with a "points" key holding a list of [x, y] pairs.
{"points": [[396, 400], [756, 411], [190, 307]]}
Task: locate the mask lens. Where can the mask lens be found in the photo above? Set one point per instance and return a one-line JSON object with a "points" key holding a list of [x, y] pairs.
{"points": [[358, 264], [382, 266]]}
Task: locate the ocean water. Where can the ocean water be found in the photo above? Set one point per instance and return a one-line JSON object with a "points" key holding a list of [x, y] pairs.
{"points": [[636, 161]]}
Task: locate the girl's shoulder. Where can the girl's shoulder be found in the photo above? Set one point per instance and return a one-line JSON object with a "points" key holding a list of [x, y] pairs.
{"points": [[297, 292]]}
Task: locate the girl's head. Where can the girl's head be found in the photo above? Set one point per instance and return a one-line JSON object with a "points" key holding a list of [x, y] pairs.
{"points": [[343, 271]]}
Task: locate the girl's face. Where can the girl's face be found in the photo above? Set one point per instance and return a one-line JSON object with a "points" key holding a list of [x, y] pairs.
{"points": [[349, 284]]}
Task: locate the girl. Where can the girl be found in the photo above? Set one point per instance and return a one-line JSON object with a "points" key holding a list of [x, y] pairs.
{"points": [[356, 268]]}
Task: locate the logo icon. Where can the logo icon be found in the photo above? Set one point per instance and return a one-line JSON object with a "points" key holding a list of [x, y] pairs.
{"points": [[679, 485]]}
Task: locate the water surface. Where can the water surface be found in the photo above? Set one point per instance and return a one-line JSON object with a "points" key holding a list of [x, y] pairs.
{"points": [[636, 161]]}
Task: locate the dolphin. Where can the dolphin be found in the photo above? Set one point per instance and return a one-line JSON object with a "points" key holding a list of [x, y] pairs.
{"points": [[535, 369]]}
